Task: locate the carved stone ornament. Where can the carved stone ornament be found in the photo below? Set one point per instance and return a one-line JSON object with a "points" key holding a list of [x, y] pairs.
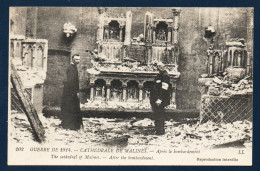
{"points": [[69, 29]]}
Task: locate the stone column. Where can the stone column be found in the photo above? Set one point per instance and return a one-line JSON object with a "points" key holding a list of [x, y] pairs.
{"points": [[124, 92], [45, 55], [128, 28], [106, 33], [149, 54], [176, 15], [100, 31], [108, 92], [210, 62], [232, 57], [103, 92], [148, 22], [169, 38], [248, 63], [173, 94], [92, 92], [239, 58], [34, 60], [154, 34], [140, 100], [121, 33]]}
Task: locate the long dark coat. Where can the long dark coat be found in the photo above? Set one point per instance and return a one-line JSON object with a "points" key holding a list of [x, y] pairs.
{"points": [[70, 105], [158, 93]]}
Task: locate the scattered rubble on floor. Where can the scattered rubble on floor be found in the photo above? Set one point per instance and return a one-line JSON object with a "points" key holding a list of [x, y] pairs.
{"points": [[224, 86], [134, 132], [119, 105]]}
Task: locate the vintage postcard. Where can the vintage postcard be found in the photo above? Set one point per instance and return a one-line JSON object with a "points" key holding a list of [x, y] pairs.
{"points": [[130, 86]]}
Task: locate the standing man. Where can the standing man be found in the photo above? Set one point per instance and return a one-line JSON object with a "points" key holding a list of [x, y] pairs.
{"points": [[70, 104], [160, 97]]}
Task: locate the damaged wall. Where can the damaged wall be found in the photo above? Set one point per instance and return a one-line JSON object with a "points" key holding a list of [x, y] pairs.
{"points": [[229, 23]]}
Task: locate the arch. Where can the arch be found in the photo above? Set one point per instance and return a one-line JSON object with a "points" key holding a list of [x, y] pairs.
{"points": [[235, 58], [39, 57], [146, 90], [116, 90], [30, 57], [161, 31], [100, 87], [114, 30], [216, 62], [100, 82], [230, 58], [132, 91]]}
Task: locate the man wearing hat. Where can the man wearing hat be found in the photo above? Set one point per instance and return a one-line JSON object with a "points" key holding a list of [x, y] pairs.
{"points": [[160, 97]]}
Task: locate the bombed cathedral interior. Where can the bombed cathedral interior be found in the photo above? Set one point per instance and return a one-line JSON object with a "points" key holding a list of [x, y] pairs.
{"points": [[207, 53]]}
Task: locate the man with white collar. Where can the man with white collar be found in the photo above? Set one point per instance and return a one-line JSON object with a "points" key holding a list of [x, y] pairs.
{"points": [[160, 97], [70, 104]]}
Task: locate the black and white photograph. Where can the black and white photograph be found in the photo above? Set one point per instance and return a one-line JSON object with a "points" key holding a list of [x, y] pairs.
{"points": [[130, 86]]}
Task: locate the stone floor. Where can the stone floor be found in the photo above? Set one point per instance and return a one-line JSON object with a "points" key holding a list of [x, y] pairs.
{"points": [[132, 132]]}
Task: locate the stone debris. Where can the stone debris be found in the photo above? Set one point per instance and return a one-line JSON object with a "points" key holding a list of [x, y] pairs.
{"points": [[119, 105], [225, 87], [126, 66], [133, 132], [29, 77]]}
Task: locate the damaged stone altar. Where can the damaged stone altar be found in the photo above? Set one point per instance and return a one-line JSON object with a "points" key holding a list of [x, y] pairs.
{"points": [[227, 87], [124, 72], [29, 57]]}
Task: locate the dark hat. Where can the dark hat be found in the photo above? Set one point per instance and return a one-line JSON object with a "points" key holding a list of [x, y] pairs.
{"points": [[166, 79]]}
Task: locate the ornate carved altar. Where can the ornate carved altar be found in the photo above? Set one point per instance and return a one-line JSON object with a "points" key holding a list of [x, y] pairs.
{"points": [[227, 87], [126, 76], [30, 59]]}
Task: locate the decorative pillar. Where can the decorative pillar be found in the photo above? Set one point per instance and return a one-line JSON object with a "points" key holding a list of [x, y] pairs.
{"points": [[103, 92], [173, 94], [210, 62], [175, 54], [124, 93], [149, 54], [108, 92], [45, 54], [169, 38], [222, 62], [140, 94], [100, 31], [248, 63], [92, 92], [24, 55], [112, 52], [239, 58], [176, 15], [121, 33], [128, 28], [124, 49], [232, 57], [154, 34], [148, 22], [34, 60], [106, 33]]}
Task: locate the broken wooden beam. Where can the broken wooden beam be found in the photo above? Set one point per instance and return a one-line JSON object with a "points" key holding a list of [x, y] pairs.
{"points": [[26, 104]]}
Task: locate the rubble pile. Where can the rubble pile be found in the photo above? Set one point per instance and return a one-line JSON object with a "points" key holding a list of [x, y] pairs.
{"points": [[126, 66], [226, 86], [29, 77], [133, 132], [119, 105]]}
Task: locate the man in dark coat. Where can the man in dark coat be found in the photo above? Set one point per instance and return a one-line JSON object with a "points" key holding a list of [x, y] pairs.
{"points": [[70, 105], [160, 98]]}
